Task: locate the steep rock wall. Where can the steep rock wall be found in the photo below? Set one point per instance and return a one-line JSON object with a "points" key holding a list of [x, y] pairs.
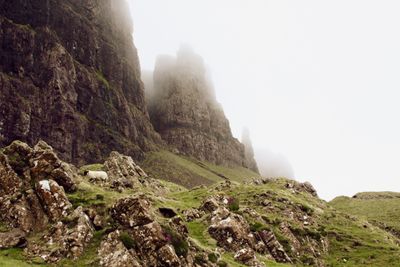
{"points": [[69, 74]]}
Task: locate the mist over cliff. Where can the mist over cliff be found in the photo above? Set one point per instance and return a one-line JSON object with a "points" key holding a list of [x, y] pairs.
{"points": [[184, 110], [273, 165]]}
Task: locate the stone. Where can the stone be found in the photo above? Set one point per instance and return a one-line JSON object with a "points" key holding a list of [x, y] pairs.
{"points": [[231, 231], [66, 239], [244, 255], [9, 180], [13, 238], [122, 171], [275, 248], [112, 252], [210, 204], [53, 199], [45, 165], [18, 154], [168, 257], [132, 211], [192, 214]]}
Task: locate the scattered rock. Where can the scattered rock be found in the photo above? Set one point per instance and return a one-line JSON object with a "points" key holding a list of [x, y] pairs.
{"points": [[192, 214]]}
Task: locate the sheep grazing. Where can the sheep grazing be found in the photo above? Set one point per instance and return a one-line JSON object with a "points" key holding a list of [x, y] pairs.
{"points": [[96, 175]]}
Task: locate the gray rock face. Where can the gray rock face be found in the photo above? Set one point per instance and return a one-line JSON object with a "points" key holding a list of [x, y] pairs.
{"points": [[140, 240], [30, 197], [76, 87], [249, 151], [31, 201], [184, 110]]}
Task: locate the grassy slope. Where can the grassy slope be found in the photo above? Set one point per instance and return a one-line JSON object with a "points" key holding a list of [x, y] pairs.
{"points": [[351, 244], [189, 172], [376, 207]]}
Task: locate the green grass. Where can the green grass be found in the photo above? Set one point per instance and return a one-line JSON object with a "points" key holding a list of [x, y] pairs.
{"points": [[91, 167], [102, 79], [383, 207], [189, 172], [14, 258], [238, 174]]}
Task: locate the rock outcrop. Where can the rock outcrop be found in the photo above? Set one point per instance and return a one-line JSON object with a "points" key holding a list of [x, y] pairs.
{"points": [[76, 87], [31, 200], [30, 196], [183, 109], [120, 172], [140, 240]]}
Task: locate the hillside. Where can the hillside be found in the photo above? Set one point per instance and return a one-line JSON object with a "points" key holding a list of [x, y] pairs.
{"points": [[132, 219], [379, 208]]}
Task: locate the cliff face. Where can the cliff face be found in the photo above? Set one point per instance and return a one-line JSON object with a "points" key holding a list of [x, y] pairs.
{"points": [[69, 74], [184, 110], [249, 151]]}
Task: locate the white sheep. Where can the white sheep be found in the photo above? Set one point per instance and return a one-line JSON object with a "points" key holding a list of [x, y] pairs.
{"points": [[96, 175]]}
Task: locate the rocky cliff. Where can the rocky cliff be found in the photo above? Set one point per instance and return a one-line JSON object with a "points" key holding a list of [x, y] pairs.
{"points": [[184, 110], [248, 149], [69, 74]]}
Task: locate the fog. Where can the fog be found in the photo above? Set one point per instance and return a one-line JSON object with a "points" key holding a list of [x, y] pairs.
{"points": [[316, 82]]}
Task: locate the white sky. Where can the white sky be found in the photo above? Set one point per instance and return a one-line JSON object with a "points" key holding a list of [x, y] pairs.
{"points": [[317, 81]]}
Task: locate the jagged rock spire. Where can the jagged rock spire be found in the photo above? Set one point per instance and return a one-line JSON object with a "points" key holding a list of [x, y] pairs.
{"points": [[248, 149]]}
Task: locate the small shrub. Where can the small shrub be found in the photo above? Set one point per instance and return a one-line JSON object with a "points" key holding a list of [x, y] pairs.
{"points": [[179, 243], [307, 209], [198, 259], [257, 227], [284, 241], [70, 221], [222, 264], [99, 197], [233, 204], [127, 240], [307, 259], [213, 257]]}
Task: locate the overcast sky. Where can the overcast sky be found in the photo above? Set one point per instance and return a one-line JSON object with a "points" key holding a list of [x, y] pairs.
{"points": [[317, 82]]}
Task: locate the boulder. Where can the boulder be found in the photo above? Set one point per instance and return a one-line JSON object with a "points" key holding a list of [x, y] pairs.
{"points": [[192, 214], [9, 180], [210, 204], [65, 239], [53, 199], [132, 211], [112, 252], [231, 231], [45, 165], [13, 238], [274, 247], [18, 154], [167, 257]]}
